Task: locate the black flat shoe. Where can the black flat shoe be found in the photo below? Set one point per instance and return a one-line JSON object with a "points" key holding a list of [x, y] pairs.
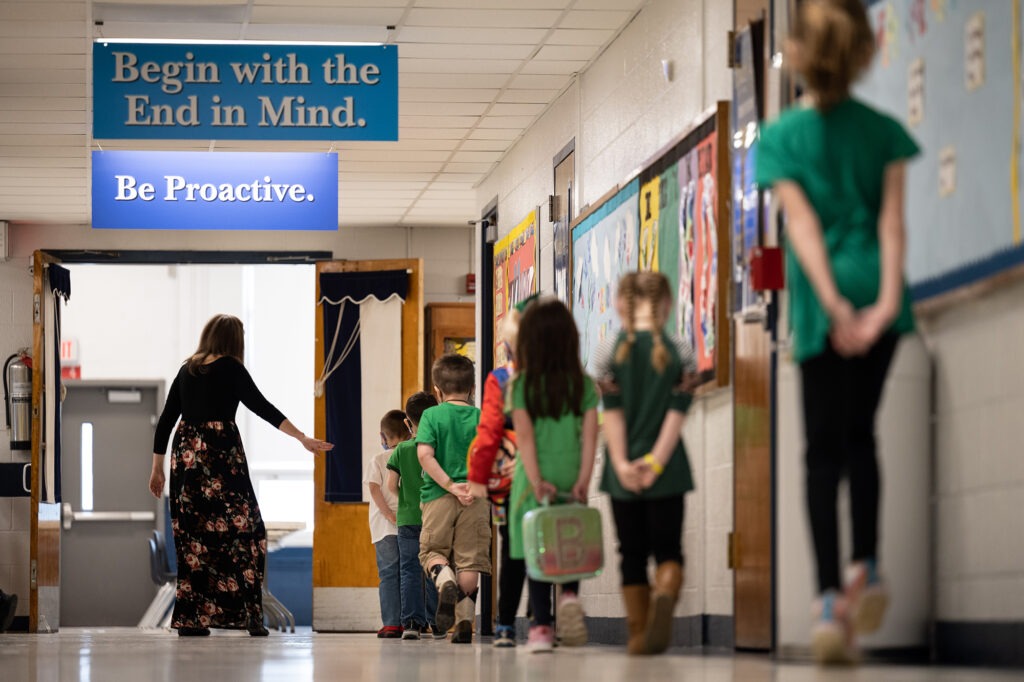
{"points": [[8, 605], [258, 631], [193, 632]]}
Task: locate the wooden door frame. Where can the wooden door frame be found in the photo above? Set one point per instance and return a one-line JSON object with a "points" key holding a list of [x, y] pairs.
{"points": [[358, 568]]}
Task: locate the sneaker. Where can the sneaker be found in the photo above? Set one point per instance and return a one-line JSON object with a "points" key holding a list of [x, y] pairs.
{"points": [[389, 632], [505, 637], [541, 640], [571, 628], [193, 632], [412, 632], [832, 635], [438, 633], [447, 597], [866, 594]]}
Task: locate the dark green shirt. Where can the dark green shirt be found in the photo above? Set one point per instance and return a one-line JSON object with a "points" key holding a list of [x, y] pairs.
{"points": [[645, 396], [406, 463], [839, 159], [449, 429]]}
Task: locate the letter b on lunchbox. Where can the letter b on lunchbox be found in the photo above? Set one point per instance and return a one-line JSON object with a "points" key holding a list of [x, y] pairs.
{"points": [[563, 543]]}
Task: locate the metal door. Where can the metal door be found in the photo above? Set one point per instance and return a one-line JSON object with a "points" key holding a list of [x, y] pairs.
{"points": [[108, 512]]}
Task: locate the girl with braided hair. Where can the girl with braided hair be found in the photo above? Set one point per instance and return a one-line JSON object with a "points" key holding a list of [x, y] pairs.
{"points": [[643, 373]]}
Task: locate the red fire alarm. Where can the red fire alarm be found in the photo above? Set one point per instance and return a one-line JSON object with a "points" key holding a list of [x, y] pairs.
{"points": [[766, 273], [471, 283]]}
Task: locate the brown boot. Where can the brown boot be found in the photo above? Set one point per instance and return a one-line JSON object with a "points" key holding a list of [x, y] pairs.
{"points": [[668, 580], [637, 599]]}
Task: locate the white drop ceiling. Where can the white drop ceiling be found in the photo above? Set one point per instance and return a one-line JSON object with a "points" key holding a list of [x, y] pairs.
{"points": [[473, 76]]}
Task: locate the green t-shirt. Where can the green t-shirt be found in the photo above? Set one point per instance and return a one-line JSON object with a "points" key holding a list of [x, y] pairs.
{"points": [[838, 158], [645, 396], [559, 455], [449, 429], [405, 462]]}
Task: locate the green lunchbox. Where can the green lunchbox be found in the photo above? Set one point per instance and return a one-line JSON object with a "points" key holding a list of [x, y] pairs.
{"points": [[563, 543]]}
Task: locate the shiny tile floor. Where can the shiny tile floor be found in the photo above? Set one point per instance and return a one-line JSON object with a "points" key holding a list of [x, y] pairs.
{"points": [[113, 655]]}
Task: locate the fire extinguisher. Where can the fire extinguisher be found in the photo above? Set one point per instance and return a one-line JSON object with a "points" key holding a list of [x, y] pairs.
{"points": [[18, 399]]}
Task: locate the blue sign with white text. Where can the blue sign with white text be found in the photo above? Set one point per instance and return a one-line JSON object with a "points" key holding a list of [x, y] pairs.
{"points": [[214, 191], [244, 91]]}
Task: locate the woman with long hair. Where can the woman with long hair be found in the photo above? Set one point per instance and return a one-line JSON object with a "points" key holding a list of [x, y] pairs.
{"points": [[219, 537]]}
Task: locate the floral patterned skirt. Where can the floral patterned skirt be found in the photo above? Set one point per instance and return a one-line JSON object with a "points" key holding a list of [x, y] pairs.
{"points": [[219, 537]]}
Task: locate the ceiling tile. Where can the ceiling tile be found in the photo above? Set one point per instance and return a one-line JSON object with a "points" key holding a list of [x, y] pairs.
{"points": [[442, 51], [471, 36], [483, 18], [537, 81], [431, 133], [344, 16], [495, 134], [442, 108], [580, 36], [506, 109], [447, 94], [608, 4], [543, 67], [528, 96], [327, 33], [454, 80], [469, 65], [565, 52], [436, 121], [495, 4], [349, 155], [485, 145], [467, 167], [595, 19], [476, 157], [519, 122]]}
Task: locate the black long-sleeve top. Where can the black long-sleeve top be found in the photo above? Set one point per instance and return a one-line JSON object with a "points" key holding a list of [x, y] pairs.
{"points": [[210, 396]]}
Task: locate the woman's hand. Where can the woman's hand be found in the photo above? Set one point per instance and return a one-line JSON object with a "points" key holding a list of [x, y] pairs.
{"points": [[315, 445], [156, 482]]}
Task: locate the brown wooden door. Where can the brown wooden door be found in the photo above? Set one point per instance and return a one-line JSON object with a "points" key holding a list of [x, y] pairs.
{"points": [[752, 510], [451, 328], [342, 553]]}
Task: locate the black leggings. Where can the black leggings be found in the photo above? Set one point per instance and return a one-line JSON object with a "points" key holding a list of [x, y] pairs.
{"points": [[511, 574], [648, 528], [841, 396], [540, 599]]}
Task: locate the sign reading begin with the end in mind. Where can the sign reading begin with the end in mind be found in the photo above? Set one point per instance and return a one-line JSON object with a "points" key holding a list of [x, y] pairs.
{"points": [[214, 190], [245, 91]]}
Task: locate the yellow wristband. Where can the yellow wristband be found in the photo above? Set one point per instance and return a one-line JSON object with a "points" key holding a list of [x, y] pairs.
{"points": [[655, 465]]}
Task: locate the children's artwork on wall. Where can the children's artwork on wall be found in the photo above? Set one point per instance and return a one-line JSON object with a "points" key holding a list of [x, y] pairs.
{"points": [[692, 241], [515, 273], [649, 211], [604, 247]]}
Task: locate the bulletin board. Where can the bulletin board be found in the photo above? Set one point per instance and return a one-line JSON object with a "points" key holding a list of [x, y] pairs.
{"points": [[685, 234], [604, 247], [949, 70], [515, 274]]}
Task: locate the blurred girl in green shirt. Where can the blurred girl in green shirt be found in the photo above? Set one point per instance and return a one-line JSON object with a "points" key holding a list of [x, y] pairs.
{"points": [[838, 168]]}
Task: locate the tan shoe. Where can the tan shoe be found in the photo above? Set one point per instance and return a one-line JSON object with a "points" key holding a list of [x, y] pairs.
{"points": [[637, 599], [668, 580], [465, 614]]}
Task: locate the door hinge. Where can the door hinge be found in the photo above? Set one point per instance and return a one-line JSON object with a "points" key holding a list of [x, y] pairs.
{"points": [[734, 551], [33, 574], [35, 308], [732, 61]]}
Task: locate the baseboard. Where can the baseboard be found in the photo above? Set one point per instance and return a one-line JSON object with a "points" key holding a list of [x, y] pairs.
{"points": [[972, 643], [694, 632]]}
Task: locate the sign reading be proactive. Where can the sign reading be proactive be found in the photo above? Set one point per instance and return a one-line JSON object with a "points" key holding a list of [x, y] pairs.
{"points": [[214, 191], [245, 91]]}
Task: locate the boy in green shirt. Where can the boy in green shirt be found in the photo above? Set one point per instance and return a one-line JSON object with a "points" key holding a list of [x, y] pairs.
{"points": [[456, 526], [405, 478]]}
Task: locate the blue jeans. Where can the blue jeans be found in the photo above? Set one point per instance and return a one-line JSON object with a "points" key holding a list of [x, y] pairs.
{"points": [[419, 596], [389, 589]]}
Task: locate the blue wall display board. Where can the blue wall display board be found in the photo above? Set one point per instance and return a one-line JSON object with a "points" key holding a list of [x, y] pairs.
{"points": [[947, 70], [244, 91]]}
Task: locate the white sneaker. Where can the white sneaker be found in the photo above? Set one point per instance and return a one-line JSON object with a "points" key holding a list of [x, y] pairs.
{"points": [[570, 625], [831, 635]]}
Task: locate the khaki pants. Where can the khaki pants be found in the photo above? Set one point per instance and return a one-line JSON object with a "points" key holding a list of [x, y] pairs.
{"points": [[460, 535]]}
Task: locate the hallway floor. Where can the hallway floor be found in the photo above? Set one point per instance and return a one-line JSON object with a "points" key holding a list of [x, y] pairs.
{"points": [[116, 654]]}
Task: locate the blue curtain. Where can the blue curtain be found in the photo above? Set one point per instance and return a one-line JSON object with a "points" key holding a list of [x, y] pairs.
{"points": [[343, 389]]}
